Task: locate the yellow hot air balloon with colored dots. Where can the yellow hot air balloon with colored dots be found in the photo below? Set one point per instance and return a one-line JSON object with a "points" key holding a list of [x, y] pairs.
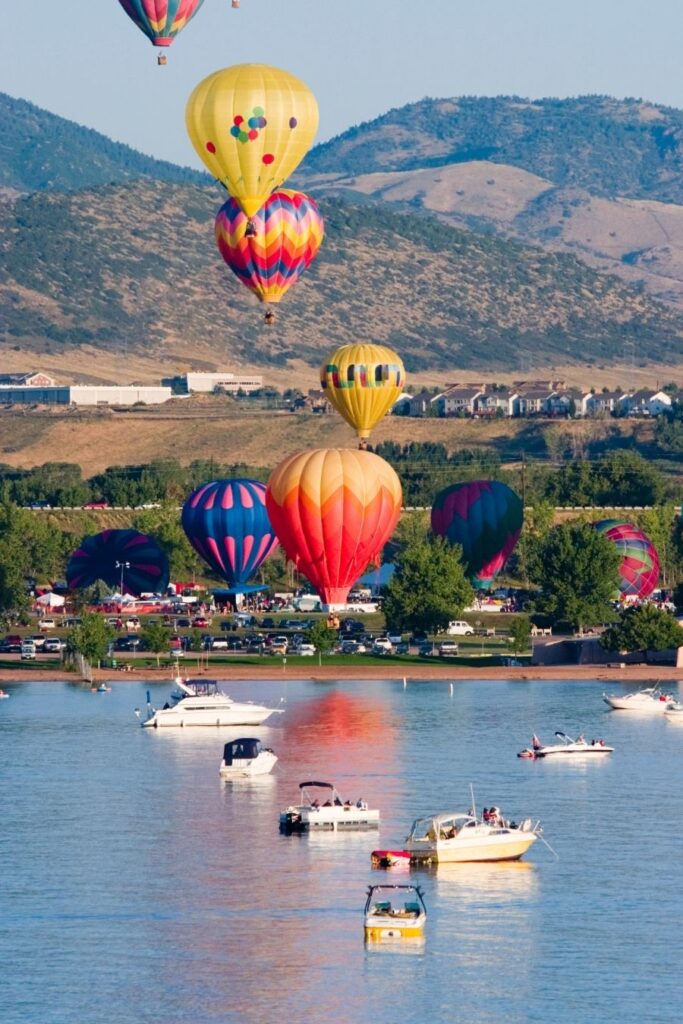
{"points": [[362, 382], [252, 125]]}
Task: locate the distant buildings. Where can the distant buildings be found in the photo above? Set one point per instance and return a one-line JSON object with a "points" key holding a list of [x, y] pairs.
{"points": [[230, 383], [529, 399], [84, 394]]}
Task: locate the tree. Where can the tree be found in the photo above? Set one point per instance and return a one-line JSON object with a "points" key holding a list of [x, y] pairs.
{"points": [[428, 588], [643, 628], [322, 637], [577, 571], [163, 524], [157, 637], [92, 638], [520, 634]]}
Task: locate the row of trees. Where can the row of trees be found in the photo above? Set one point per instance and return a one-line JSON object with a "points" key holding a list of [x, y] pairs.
{"points": [[621, 478]]}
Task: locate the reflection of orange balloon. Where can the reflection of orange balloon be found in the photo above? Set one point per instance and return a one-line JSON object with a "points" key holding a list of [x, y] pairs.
{"points": [[333, 511]]}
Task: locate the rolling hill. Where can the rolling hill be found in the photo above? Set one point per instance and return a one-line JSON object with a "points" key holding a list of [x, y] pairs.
{"points": [[40, 151], [134, 268]]}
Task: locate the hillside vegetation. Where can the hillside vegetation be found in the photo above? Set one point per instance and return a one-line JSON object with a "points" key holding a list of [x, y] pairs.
{"points": [[135, 266], [608, 147], [39, 151]]}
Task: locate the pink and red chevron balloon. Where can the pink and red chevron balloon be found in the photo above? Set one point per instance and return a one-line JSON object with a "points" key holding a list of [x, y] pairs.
{"points": [[283, 239], [161, 20], [227, 524]]}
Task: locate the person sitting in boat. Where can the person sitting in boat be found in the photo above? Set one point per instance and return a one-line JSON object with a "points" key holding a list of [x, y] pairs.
{"points": [[535, 742], [495, 817], [361, 804], [581, 738], [338, 801], [485, 816]]}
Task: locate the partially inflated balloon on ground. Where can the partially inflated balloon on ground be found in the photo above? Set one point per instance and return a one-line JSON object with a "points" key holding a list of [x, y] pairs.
{"points": [[362, 382], [333, 511], [252, 125], [161, 20], [485, 518], [227, 524], [270, 253], [114, 556], [639, 568]]}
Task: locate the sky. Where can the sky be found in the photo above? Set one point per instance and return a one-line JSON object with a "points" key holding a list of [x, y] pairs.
{"points": [[85, 60]]}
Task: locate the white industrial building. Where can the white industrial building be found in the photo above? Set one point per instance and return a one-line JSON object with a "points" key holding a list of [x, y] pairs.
{"points": [[85, 394], [232, 383]]}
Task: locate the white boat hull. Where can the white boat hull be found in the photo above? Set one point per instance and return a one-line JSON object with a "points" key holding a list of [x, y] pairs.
{"points": [[635, 702], [576, 749], [473, 849], [249, 767], [328, 819]]}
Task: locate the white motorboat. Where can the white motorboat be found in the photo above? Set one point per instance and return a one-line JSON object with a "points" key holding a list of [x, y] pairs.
{"points": [[246, 757], [652, 701], [384, 921], [335, 814], [459, 838], [567, 745], [674, 712], [200, 702]]}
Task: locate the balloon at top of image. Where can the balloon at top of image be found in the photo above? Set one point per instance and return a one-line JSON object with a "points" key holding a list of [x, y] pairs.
{"points": [[485, 518], [639, 568], [252, 125], [333, 511], [227, 524], [119, 557], [161, 20], [363, 382], [285, 237]]}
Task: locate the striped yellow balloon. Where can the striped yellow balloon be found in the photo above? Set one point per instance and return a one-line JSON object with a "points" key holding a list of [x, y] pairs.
{"points": [[252, 125], [362, 382]]}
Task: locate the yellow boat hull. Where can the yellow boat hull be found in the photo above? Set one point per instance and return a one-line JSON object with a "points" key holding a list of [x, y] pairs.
{"points": [[463, 853], [378, 933]]}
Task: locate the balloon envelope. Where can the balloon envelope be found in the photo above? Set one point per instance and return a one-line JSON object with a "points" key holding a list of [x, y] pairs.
{"points": [[362, 382], [485, 518], [287, 234], [333, 510], [144, 563], [227, 524], [252, 125], [639, 569], [161, 20]]}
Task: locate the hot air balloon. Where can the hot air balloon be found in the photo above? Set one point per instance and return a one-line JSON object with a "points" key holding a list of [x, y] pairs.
{"points": [[362, 382], [485, 518], [125, 559], [161, 20], [333, 511], [252, 125], [639, 569], [284, 237], [227, 524]]}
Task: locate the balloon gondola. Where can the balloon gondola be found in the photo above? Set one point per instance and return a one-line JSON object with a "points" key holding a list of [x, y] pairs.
{"points": [[125, 559]]}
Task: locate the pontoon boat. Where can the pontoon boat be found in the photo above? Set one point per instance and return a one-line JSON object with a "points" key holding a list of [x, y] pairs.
{"points": [[459, 837], [200, 702], [334, 814], [386, 922], [246, 757]]}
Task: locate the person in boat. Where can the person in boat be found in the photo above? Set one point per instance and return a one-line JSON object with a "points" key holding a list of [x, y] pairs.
{"points": [[361, 804], [338, 801], [535, 743], [495, 817], [581, 738], [486, 816]]}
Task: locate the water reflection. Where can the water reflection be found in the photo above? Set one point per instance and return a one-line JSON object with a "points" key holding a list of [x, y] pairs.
{"points": [[497, 882]]}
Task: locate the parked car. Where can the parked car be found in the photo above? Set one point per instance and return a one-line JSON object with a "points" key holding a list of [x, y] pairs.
{"points": [[96, 504], [307, 650], [132, 623], [383, 644], [53, 645], [268, 623], [38, 640], [255, 647], [47, 624], [427, 650], [235, 644], [403, 647], [228, 627], [447, 649], [418, 636], [28, 651], [352, 626], [218, 643], [459, 628], [183, 623], [395, 638], [200, 622]]}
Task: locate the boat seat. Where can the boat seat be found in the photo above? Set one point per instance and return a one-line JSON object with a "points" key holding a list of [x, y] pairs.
{"points": [[413, 908], [383, 908]]}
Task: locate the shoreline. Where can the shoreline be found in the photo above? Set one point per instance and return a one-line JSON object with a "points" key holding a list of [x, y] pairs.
{"points": [[325, 673]]}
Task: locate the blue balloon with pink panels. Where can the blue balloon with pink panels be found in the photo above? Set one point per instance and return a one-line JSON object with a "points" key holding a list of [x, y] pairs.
{"points": [[227, 524]]}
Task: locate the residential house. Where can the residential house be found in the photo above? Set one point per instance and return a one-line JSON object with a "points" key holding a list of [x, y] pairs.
{"points": [[602, 403], [421, 404], [566, 402], [495, 403], [457, 401], [646, 403], [36, 379], [534, 402]]}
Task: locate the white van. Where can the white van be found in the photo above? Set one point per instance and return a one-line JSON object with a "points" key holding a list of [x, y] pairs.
{"points": [[459, 628], [28, 650]]}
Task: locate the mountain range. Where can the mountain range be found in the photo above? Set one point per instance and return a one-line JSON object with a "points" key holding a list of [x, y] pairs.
{"points": [[467, 233]]}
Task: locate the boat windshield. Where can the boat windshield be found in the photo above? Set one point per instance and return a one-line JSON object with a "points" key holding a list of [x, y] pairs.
{"points": [[442, 826], [241, 750]]}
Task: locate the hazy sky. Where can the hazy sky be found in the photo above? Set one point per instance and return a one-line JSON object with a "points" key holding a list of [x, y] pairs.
{"points": [[85, 60]]}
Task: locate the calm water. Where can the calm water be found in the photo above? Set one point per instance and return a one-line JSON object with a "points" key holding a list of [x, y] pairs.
{"points": [[135, 886]]}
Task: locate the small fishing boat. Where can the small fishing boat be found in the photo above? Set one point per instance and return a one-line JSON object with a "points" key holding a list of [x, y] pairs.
{"points": [[3, 695], [463, 837], [335, 814], [245, 757], [652, 701], [387, 921], [102, 688], [567, 745]]}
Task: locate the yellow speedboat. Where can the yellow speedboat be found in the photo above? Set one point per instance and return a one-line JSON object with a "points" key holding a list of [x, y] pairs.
{"points": [[387, 921]]}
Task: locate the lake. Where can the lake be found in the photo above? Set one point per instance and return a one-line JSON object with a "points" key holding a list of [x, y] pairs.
{"points": [[136, 886]]}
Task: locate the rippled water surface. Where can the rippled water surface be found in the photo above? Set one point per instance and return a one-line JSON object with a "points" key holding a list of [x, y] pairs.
{"points": [[135, 886]]}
